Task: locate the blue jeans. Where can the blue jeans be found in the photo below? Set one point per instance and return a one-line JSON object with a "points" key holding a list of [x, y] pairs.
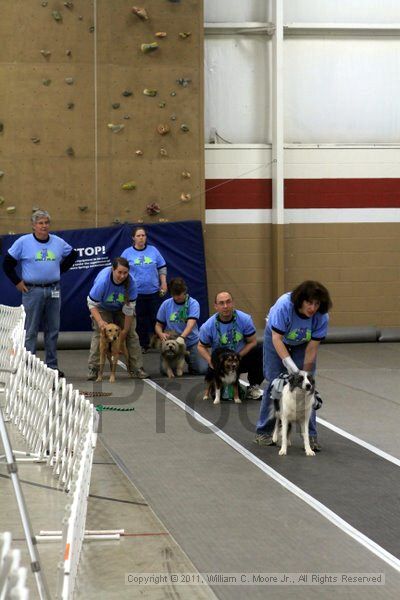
{"points": [[197, 364], [42, 309], [273, 367]]}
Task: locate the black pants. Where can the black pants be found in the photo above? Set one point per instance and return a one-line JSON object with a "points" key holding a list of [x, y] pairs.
{"points": [[147, 306], [252, 364]]}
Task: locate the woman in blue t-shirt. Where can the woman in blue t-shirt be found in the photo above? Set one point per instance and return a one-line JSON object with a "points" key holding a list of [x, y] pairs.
{"points": [[296, 325], [112, 299], [149, 270]]}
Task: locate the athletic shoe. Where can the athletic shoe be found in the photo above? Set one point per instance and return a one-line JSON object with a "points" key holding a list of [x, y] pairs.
{"points": [[314, 444], [264, 439], [254, 392], [139, 374]]}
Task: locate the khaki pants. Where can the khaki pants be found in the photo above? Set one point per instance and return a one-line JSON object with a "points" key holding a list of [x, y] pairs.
{"points": [[132, 341]]}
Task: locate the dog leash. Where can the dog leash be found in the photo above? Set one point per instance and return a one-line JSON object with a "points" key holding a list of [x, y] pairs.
{"points": [[102, 407]]}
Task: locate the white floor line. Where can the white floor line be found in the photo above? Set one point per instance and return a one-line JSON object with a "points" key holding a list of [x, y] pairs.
{"points": [[359, 537], [359, 441]]}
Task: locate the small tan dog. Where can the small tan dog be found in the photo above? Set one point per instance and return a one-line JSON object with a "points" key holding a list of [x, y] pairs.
{"points": [[173, 353], [110, 347]]}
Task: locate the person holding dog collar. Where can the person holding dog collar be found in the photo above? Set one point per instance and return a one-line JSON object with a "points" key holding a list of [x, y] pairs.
{"points": [[43, 257], [180, 313], [112, 300], [233, 329], [296, 325], [148, 268]]}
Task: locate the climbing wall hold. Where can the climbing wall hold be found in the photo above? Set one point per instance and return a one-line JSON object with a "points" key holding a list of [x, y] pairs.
{"points": [[91, 29], [162, 104], [11, 209], [70, 105], [116, 221], [46, 82], [115, 128], [70, 151], [163, 129], [69, 80], [127, 93], [161, 34], [1, 174], [173, 117], [163, 220], [153, 209], [115, 105], [69, 5], [184, 128], [83, 208], [163, 152], [45, 53], [139, 152], [57, 16], [183, 82], [173, 94], [140, 12], [185, 34], [139, 220], [146, 48], [1, 200], [129, 185], [186, 175], [35, 140], [127, 117], [68, 52], [185, 197], [150, 92]]}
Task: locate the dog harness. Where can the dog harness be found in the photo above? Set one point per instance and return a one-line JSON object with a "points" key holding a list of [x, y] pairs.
{"points": [[277, 388]]}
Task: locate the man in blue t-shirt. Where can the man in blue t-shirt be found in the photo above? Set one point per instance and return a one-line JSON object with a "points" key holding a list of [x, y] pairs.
{"points": [[43, 257], [180, 313], [234, 329]]}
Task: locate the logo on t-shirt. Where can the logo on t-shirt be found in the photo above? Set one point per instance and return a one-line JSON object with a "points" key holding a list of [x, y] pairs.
{"points": [[230, 338], [178, 317], [115, 297], [302, 334], [44, 255], [143, 260]]}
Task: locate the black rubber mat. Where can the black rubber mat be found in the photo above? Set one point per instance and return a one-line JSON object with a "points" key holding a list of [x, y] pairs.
{"points": [[353, 482]]}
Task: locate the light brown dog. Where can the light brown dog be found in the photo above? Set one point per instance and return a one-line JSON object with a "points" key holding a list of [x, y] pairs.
{"points": [[110, 347]]}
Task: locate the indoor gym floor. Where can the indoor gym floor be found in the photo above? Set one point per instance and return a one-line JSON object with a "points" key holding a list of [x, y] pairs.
{"points": [[194, 493]]}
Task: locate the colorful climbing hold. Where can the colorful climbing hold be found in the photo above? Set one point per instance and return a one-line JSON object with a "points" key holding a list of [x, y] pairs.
{"points": [[140, 12], [150, 92], [153, 209], [129, 185], [185, 128], [139, 152], [69, 80], [162, 104], [115, 128], [183, 82], [163, 152], [185, 34], [161, 34], [45, 53], [185, 197], [163, 129], [146, 48], [57, 16], [35, 140], [11, 209], [186, 175]]}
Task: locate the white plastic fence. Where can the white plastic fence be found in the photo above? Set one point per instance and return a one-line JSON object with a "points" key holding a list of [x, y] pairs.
{"points": [[58, 425], [12, 575]]}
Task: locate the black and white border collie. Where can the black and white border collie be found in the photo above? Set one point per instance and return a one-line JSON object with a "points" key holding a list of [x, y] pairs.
{"points": [[225, 372]]}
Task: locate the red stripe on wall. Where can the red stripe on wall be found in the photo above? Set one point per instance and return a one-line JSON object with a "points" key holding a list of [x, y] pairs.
{"points": [[239, 193], [304, 193]]}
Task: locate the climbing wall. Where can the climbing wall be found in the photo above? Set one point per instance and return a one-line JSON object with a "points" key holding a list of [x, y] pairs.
{"points": [[101, 112]]}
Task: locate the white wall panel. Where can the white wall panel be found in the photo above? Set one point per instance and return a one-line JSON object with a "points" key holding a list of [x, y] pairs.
{"points": [[341, 11], [234, 11], [342, 90], [237, 102]]}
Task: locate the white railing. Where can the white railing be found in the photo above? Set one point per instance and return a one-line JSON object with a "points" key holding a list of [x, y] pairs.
{"points": [[58, 425], [12, 575]]}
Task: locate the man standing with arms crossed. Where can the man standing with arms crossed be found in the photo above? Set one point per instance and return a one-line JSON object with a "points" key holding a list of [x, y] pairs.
{"points": [[43, 258]]}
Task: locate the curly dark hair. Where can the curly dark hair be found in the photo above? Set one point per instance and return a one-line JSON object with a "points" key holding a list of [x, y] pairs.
{"points": [[312, 290]]}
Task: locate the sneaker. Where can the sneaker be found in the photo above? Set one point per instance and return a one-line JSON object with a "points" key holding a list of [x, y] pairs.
{"points": [[92, 375], [264, 439], [139, 374], [314, 444], [145, 349], [254, 392]]}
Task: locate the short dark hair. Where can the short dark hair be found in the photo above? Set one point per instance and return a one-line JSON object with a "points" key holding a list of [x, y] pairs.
{"points": [[177, 286], [135, 229], [312, 290], [222, 292]]}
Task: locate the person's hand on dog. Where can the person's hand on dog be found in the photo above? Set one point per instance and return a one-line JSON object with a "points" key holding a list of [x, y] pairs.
{"points": [[164, 336], [180, 340], [102, 325]]}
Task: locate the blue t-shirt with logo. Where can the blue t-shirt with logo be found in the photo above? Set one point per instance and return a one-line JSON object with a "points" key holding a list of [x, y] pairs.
{"points": [[40, 260], [110, 295], [144, 265], [233, 334], [296, 329], [174, 316]]}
